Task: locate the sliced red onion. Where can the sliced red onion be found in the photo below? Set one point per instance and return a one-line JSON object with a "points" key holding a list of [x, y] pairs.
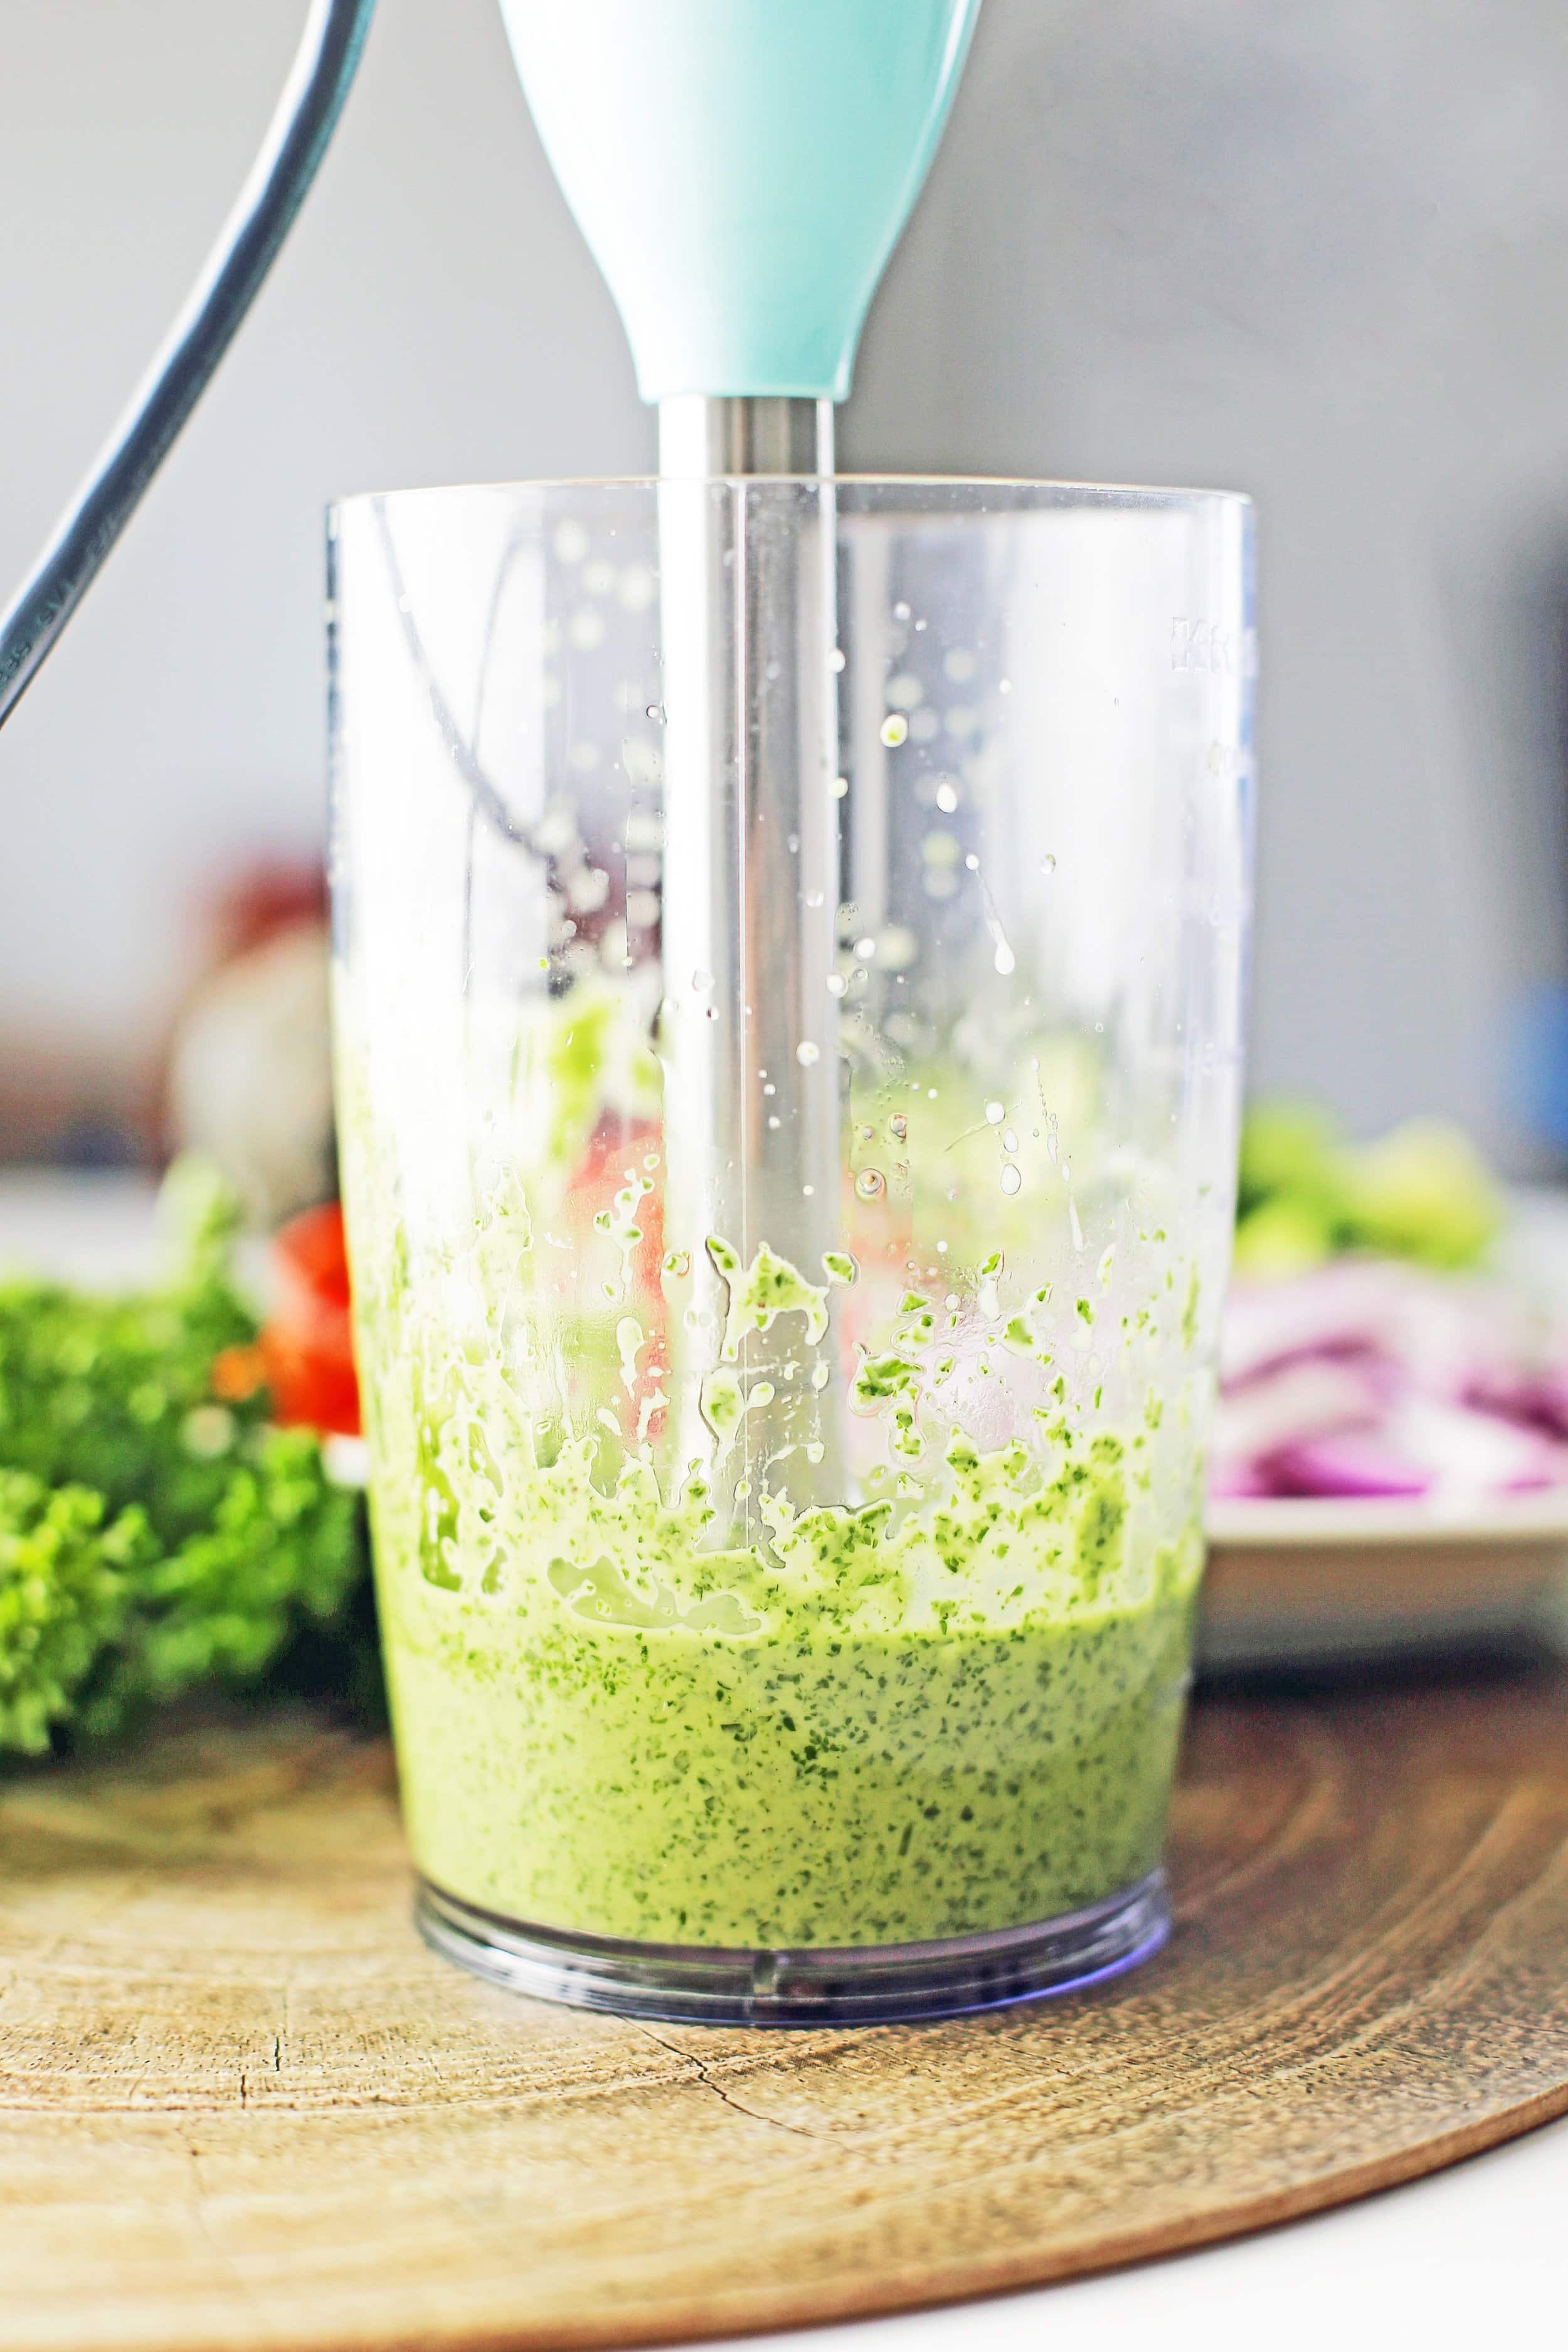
{"points": [[1358, 1462], [1472, 1455], [1236, 1482], [1314, 1397], [1367, 1377], [1337, 1309]]}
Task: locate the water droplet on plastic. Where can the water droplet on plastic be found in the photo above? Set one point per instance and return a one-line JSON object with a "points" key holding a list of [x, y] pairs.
{"points": [[1009, 1139], [678, 1263], [814, 897], [702, 981], [1049, 863], [870, 1184], [1012, 1181], [899, 1126], [837, 984], [947, 798], [840, 787], [806, 1053], [655, 710], [995, 1113], [895, 729], [835, 659]]}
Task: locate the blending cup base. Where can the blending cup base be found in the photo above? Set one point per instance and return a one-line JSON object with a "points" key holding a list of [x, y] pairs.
{"points": [[830, 1986]]}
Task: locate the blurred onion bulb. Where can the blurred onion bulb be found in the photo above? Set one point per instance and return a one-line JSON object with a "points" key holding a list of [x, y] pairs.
{"points": [[250, 1075]]}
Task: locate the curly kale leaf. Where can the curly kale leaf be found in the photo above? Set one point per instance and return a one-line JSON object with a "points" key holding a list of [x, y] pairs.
{"points": [[116, 1393], [159, 1536], [66, 1581], [282, 1546]]}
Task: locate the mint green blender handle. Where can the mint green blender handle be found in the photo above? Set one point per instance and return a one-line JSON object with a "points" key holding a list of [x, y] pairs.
{"points": [[740, 169]]}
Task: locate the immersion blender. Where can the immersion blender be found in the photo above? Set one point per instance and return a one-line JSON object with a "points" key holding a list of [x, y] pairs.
{"points": [[741, 170]]}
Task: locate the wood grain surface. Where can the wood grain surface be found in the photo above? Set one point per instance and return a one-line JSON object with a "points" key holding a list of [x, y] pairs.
{"points": [[241, 2106]]}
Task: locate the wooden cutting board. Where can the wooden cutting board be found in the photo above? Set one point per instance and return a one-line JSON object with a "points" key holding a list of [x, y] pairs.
{"points": [[240, 2105]]}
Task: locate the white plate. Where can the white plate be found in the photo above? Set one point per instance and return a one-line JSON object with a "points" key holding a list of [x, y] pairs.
{"points": [[1320, 1581]]}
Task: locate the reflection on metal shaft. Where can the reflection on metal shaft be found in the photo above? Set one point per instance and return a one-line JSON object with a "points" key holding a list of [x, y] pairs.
{"points": [[702, 439], [748, 1034]]}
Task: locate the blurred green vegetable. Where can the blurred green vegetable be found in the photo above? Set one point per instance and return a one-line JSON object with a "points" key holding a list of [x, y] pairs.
{"points": [[1421, 1193], [64, 1592], [154, 1535]]}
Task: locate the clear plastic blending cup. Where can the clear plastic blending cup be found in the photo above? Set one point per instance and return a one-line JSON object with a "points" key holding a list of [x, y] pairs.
{"points": [[790, 949]]}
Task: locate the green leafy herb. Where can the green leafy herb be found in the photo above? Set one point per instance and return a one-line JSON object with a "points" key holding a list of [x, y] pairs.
{"points": [[64, 1593], [155, 1535], [1420, 1193]]}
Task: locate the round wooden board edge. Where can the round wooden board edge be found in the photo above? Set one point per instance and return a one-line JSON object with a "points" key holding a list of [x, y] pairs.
{"points": [[902, 2293], [735, 2306]]}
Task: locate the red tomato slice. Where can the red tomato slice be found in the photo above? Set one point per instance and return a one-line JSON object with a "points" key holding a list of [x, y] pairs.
{"points": [[308, 1345], [309, 1389]]}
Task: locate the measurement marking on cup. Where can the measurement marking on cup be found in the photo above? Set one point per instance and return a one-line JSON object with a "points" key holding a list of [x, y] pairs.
{"points": [[1205, 645]]}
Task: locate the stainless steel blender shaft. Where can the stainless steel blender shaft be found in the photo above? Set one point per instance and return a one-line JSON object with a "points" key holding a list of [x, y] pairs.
{"points": [[700, 438], [750, 910]]}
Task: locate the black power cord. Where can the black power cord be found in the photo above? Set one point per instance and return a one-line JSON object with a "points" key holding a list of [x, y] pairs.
{"points": [[297, 139]]}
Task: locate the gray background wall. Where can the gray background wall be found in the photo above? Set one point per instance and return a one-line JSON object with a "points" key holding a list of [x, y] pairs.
{"points": [[1318, 253]]}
